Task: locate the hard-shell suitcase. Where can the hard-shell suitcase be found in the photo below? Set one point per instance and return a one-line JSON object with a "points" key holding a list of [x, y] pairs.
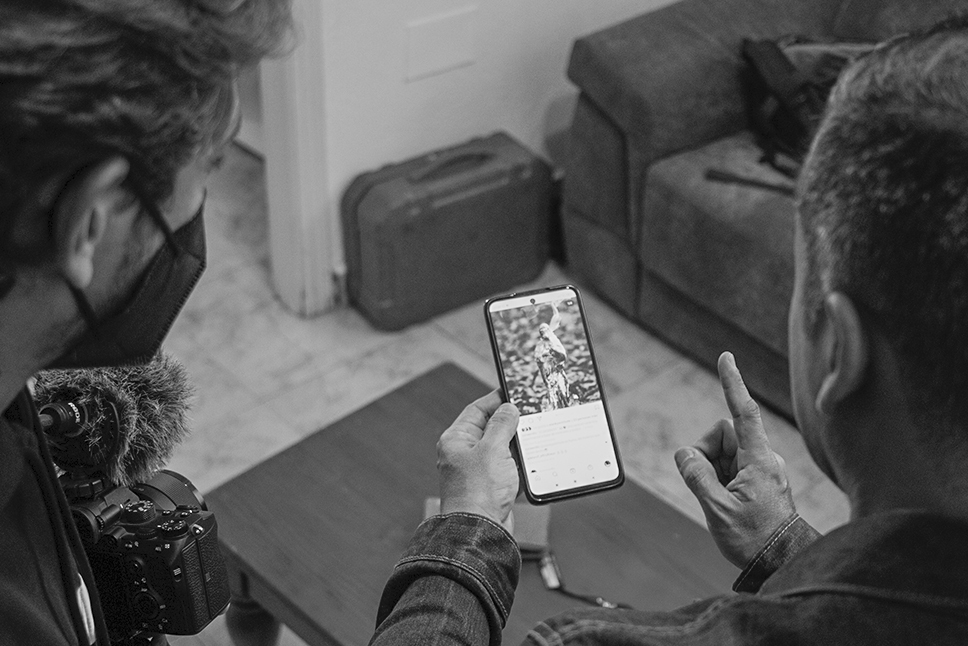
{"points": [[441, 230]]}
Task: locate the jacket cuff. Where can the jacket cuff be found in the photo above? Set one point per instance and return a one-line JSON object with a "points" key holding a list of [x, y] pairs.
{"points": [[471, 550], [788, 539]]}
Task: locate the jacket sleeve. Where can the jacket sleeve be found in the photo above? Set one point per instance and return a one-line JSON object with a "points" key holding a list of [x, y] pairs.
{"points": [[789, 538], [455, 581]]}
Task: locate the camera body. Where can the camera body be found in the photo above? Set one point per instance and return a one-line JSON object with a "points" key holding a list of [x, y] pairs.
{"points": [[153, 550]]}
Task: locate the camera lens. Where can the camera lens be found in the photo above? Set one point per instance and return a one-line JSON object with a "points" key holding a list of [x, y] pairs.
{"points": [[168, 490], [532, 301]]}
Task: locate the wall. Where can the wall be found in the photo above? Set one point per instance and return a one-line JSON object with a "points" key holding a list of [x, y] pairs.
{"points": [[349, 100], [252, 131], [516, 83]]}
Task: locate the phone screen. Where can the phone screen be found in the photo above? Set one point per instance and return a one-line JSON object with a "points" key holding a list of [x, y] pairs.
{"points": [[544, 354]]}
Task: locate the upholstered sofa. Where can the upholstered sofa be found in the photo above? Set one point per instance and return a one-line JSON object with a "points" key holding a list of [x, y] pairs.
{"points": [[706, 266]]}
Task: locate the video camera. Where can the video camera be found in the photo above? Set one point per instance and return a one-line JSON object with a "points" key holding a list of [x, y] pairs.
{"points": [[152, 546]]}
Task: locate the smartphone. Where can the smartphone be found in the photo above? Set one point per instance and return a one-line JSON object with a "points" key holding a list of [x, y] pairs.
{"points": [[565, 443]]}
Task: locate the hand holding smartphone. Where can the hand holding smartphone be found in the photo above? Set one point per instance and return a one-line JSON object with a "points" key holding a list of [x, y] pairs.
{"points": [[564, 443]]}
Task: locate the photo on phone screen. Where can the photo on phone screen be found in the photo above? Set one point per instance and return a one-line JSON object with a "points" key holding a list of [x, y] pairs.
{"points": [[565, 441]]}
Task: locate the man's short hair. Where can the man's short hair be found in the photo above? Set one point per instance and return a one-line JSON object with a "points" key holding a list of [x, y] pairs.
{"points": [[151, 80], [883, 207]]}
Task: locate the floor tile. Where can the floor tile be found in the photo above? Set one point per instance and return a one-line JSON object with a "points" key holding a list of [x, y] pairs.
{"points": [[215, 453], [675, 409], [218, 393], [358, 381], [467, 324], [216, 634], [330, 339], [627, 355]]}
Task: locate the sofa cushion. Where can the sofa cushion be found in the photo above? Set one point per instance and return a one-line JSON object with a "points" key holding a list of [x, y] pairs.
{"points": [[876, 20], [728, 247]]}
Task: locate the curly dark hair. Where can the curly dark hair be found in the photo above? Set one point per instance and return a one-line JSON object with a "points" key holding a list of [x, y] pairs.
{"points": [[884, 211], [82, 80]]}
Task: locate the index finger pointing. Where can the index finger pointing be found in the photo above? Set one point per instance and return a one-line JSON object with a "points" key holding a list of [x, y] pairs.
{"points": [[750, 434]]}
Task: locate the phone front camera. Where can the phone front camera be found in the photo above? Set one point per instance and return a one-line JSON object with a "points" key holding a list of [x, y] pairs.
{"points": [[532, 301]]}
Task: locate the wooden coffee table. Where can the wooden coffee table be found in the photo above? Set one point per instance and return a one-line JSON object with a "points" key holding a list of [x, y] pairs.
{"points": [[311, 534]]}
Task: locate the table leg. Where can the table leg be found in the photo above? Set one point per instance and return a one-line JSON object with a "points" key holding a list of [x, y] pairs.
{"points": [[249, 624]]}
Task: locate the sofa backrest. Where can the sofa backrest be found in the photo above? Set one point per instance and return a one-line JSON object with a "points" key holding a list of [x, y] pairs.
{"points": [[875, 20]]}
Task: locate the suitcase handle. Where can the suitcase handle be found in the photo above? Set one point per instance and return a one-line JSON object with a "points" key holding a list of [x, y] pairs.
{"points": [[448, 160]]}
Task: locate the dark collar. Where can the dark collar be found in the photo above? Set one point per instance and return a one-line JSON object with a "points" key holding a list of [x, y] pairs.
{"points": [[914, 552], [17, 438], [22, 410]]}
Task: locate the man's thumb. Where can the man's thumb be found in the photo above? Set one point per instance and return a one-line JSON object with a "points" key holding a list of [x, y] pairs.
{"points": [[698, 473], [502, 425]]}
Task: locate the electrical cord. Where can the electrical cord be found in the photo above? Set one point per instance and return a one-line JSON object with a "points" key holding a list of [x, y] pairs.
{"points": [[551, 575]]}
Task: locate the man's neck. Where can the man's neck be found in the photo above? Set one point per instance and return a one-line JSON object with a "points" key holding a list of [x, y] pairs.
{"points": [[883, 459], [949, 500], [904, 471]]}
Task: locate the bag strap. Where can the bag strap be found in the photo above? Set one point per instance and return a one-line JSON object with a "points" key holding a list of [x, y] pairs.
{"points": [[783, 79]]}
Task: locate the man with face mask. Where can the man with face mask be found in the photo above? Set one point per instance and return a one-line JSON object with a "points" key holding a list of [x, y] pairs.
{"points": [[112, 114]]}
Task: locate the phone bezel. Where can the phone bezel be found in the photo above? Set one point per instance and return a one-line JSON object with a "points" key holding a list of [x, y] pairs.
{"points": [[540, 499]]}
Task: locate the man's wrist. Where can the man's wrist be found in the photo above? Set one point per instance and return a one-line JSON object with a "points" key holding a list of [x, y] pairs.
{"points": [[790, 537], [469, 507]]}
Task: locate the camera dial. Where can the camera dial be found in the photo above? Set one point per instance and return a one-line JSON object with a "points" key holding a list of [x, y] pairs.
{"points": [[174, 528], [139, 511]]}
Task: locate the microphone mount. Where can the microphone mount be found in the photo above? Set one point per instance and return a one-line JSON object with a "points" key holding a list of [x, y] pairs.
{"points": [[81, 437]]}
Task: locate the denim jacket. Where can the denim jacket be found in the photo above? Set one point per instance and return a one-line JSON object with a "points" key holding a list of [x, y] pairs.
{"points": [[454, 585], [893, 578]]}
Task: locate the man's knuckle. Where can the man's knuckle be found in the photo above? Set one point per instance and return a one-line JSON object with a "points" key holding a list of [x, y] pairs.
{"points": [[443, 445], [506, 410], [693, 475], [501, 415], [749, 409]]}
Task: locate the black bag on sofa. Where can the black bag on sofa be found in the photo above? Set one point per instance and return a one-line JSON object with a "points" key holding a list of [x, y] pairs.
{"points": [[444, 229], [786, 89]]}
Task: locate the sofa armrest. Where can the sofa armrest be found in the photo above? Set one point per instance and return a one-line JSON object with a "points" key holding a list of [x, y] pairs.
{"points": [[670, 79]]}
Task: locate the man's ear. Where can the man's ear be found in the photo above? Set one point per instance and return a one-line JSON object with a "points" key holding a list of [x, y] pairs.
{"points": [[82, 214], [846, 349]]}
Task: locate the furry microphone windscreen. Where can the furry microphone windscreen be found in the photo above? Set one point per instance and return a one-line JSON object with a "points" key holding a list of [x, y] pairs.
{"points": [[152, 401]]}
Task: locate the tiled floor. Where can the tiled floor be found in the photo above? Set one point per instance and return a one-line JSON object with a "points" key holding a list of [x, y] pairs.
{"points": [[266, 378]]}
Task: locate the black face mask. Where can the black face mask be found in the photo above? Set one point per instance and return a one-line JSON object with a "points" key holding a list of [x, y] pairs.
{"points": [[134, 335]]}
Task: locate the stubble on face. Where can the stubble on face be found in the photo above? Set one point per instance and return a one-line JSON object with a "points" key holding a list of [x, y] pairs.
{"points": [[129, 271]]}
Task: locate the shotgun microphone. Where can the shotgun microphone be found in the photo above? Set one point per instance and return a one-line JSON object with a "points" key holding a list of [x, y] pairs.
{"points": [[150, 540], [120, 423], [66, 419]]}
